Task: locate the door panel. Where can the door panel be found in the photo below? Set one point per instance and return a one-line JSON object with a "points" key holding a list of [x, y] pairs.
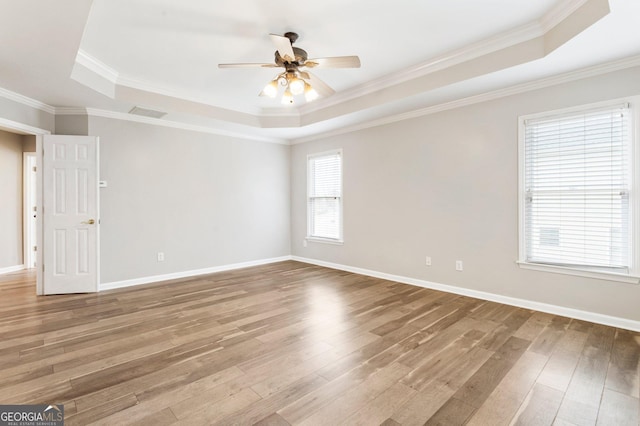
{"points": [[70, 217]]}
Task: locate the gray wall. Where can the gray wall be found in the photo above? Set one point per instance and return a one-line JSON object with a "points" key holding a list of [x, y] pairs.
{"points": [[72, 125], [204, 200], [446, 186]]}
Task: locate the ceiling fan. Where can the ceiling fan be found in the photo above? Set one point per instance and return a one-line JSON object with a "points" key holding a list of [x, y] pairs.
{"points": [[294, 78]]}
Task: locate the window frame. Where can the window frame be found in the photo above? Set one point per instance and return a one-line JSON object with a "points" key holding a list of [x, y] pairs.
{"points": [[319, 239], [633, 275]]}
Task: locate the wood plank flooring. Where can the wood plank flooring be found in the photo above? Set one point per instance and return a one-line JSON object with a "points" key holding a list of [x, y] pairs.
{"points": [[295, 344]]}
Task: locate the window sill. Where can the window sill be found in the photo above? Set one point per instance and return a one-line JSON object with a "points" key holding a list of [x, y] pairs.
{"points": [[603, 275], [325, 241]]}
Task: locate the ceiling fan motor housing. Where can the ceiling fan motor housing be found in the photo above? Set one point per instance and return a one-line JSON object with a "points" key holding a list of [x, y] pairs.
{"points": [[300, 54]]}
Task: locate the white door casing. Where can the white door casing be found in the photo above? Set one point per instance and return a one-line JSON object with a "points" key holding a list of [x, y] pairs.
{"points": [[70, 214], [29, 209]]}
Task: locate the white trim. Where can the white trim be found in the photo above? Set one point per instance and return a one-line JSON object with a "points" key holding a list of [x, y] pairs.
{"points": [[28, 232], [522, 245], [177, 125], [618, 322], [97, 66], [580, 109], [601, 275], [483, 97], [635, 184], [39, 218], [559, 13], [22, 128], [98, 214], [94, 112], [335, 242], [10, 269], [25, 100], [71, 111], [186, 274]]}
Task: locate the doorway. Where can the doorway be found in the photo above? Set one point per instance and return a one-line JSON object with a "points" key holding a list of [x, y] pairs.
{"points": [[14, 148], [30, 135]]}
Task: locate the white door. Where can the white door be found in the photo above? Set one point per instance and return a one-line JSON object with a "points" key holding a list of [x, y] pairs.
{"points": [[70, 214]]}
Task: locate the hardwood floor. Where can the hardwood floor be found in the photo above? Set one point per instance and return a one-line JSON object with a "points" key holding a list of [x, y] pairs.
{"points": [[291, 343]]}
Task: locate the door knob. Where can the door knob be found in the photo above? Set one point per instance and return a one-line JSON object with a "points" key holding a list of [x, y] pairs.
{"points": [[88, 222]]}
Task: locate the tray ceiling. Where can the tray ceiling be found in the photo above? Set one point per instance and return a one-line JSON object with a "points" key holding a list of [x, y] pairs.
{"points": [[162, 54]]}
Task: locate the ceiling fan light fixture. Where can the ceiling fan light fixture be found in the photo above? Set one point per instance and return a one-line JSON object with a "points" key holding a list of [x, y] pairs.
{"points": [[296, 85], [287, 98], [309, 93], [271, 89]]}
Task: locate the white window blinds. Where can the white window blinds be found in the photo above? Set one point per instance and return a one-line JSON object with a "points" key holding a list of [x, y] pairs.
{"points": [[325, 196], [576, 188]]}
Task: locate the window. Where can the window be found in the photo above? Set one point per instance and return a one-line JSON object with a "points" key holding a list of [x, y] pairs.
{"points": [[575, 191], [324, 195]]}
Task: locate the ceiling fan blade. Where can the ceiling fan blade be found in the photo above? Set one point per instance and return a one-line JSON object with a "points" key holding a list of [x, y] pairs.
{"points": [[318, 85], [334, 62], [247, 65], [283, 45]]}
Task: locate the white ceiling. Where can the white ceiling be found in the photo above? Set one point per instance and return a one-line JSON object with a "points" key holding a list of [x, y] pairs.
{"points": [[163, 54]]}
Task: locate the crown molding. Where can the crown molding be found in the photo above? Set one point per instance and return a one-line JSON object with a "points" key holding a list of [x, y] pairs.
{"points": [[25, 100], [22, 128], [95, 112], [559, 13], [168, 123], [71, 111], [483, 97], [95, 65]]}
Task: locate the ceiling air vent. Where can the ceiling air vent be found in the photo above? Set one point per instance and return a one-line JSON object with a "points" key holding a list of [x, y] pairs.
{"points": [[147, 112]]}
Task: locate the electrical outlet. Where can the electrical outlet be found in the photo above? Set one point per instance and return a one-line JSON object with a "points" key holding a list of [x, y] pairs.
{"points": [[304, 243], [427, 261], [458, 265], [160, 256]]}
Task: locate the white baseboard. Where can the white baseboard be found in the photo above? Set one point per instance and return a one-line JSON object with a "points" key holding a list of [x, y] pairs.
{"points": [[10, 269], [186, 274], [618, 322]]}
